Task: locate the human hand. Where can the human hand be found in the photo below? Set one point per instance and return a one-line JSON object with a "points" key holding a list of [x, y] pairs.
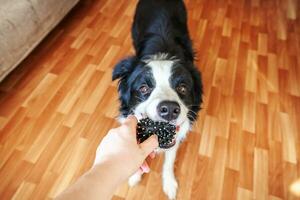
{"points": [[119, 148]]}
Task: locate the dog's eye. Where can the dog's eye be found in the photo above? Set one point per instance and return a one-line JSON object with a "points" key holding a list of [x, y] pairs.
{"points": [[182, 89], [144, 89]]}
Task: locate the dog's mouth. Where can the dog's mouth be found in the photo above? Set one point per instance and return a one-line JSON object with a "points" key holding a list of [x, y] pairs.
{"points": [[169, 145], [173, 122]]}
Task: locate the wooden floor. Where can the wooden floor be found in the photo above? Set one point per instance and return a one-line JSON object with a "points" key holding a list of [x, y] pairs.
{"points": [[59, 103]]}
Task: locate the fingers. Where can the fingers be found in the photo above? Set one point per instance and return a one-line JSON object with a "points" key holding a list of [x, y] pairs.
{"points": [[152, 155], [131, 121], [149, 145], [145, 167], [129, 124]]}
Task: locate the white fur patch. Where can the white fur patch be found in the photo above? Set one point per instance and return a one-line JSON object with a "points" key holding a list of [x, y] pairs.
{"points": [[135, 179], [169, 181], [159, 57]]}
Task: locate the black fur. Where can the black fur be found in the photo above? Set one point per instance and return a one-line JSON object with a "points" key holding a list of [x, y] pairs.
{"points": [[160, 26]]}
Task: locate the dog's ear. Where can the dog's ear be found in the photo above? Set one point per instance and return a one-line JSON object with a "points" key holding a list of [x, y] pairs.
{"points": [[124, 67], [122, 71]]}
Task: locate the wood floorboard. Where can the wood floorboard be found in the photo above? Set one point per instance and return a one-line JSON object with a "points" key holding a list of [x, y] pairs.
{"points": [[57, 105]]}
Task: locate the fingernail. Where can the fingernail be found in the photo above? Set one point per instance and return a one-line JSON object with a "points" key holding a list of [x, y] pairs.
{"points": [[145, 168]]}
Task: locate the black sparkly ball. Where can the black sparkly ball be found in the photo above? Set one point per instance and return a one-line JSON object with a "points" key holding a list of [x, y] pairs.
{"points": [[164, 130]]}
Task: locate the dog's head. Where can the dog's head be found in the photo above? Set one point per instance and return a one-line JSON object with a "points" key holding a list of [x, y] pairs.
{"points": [[160, 87]]}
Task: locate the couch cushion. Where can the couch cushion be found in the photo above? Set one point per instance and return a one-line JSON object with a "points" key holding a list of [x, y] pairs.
{"points": [[23, 23]]}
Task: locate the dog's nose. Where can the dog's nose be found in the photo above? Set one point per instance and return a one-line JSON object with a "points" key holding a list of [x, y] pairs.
{"points": [[168, 110]]}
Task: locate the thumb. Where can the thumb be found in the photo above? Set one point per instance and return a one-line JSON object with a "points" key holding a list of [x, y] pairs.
{"points": [[149, 145]]}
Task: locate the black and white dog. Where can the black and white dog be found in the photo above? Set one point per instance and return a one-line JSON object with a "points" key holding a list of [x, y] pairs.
{"points": [[161, 80]]}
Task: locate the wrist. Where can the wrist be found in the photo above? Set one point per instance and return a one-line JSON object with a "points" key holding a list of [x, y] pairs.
{"points": [[111, 169]]}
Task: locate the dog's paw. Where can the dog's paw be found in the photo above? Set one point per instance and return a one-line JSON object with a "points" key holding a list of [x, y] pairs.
{"points": [[134, 179], [170, 187]]}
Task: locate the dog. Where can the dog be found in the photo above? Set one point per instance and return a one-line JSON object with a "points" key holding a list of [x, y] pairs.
{"points": [[161, 80]]}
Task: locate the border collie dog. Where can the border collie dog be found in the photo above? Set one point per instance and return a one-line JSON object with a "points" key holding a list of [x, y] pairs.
{"points": [[161, 81]]}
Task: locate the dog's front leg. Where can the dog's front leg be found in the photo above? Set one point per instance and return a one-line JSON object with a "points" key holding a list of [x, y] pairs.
{"points": [[135, 178], [169, 181]]}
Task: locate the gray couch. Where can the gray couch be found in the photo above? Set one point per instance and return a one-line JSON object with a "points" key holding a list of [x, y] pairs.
{"points": [[23, 24]]}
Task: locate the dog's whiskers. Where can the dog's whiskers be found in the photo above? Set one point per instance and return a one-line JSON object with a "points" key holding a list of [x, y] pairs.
{"points": [[194, 122]]}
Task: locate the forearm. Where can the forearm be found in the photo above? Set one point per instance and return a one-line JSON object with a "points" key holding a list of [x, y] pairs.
{"points": [[98, 183], [117, 157]]}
